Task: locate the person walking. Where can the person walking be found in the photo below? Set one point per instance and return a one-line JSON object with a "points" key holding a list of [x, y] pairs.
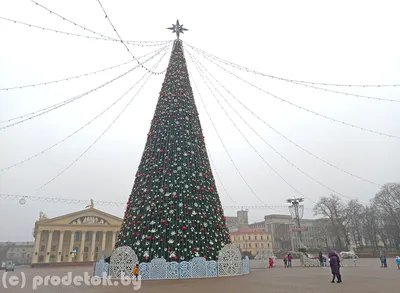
{"points": [[398, 262], [321, 259], [289, 260], [382, 258], [136, 272], [335, 267], [271, 263], [325, 261], [285, 261]]}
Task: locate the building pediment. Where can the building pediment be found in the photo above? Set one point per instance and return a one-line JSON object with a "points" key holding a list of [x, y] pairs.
{"points": [[90, 220], [92, 217]]}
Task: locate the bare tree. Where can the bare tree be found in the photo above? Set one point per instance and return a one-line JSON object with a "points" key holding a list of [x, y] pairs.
{"points": [[334, 209], [374, 224]]}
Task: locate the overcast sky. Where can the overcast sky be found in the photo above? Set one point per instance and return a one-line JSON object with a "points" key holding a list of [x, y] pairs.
{"points": [[351, 42]]}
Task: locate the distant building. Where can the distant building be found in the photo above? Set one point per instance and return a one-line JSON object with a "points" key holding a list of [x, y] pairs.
{"points": [[82, 236], [19, 253], [254, 241], [241, 221], [315, 232]]}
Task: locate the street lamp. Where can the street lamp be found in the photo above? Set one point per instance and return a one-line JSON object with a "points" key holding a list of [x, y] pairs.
{"points": [[297, 211]]}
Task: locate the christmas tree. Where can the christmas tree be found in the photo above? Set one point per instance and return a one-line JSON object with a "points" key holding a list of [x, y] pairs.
{"points": [[174, 211]]}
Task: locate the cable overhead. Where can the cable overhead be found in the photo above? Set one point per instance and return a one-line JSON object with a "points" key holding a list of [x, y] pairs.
{"points": [[285, 137], [24, 198], [267, 143], [303, 108], [223, 145], [73, 133], [76, 76], [126, 47], [199, 51], [108, 127], [66, 79], [237, 128], [290, 80], [66, 102], [72, 22], [134, 43], [219, 178]]}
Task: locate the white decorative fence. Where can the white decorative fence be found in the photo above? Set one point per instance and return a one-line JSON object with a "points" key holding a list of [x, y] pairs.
{"points": [[123, 260]]}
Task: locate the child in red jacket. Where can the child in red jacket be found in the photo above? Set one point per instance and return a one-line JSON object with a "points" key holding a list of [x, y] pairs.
{"points": [[271, 263]]}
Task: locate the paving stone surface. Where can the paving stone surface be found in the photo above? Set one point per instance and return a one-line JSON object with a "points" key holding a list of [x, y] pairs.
{"points": [[367, 277]]}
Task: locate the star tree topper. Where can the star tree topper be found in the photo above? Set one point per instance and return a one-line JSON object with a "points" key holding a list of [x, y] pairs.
{"points": [[177, 28]]}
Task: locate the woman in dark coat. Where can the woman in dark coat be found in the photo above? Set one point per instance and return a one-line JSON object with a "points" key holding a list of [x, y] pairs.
{"points": [[335, 267]]}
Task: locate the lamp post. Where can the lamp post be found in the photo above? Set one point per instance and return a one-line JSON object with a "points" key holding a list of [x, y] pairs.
{"points": [[296, 211]]}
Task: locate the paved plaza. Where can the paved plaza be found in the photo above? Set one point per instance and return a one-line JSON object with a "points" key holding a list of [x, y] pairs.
{"points": [[367, 277]]}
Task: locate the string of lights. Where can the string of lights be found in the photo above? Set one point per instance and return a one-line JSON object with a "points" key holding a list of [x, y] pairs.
{"points": [[301, 107], [134, 43], [266, 142], [66, 102], [22, 199], [287, 79], [76, 76], [223, 144], [201, 73], [126, 47], [70, 21], [218, 177], [288, 139], [72, 134], [92, 31], [108, 127], [344, 93], [298, 83]]}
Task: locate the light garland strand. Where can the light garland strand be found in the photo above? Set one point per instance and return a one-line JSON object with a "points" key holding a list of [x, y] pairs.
{"points": [[268, 144], [300, 107], [66, 102], [24, 198], [72, 134], [126, 47], [222, 143], [218, 177], [288, 139], [92, 31], [201, 73], [104, 132], [292, 80], [74, 77], [134, 43]]}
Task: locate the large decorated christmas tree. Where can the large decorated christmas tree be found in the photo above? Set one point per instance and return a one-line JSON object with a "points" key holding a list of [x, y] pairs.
{"points": [[174, 211]]}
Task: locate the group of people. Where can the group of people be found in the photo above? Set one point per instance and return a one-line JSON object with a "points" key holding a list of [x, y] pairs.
{"points": [[287, 260], [384, 260]]}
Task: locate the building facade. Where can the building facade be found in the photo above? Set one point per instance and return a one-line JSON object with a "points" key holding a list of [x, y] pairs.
{"points": [[20, 253], [285, 236], [77, 237], [241, 221], [254, 241]]}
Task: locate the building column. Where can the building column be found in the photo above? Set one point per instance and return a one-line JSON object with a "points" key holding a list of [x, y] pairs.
{"points": [[114, 237], [103, 242], [71, 246], [60, 246], [82, 248], [36, 249], [48, 248], [93, 247]]}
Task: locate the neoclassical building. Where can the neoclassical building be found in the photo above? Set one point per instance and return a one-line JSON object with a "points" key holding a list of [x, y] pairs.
{"points": [[77, 237], [255, 241]]}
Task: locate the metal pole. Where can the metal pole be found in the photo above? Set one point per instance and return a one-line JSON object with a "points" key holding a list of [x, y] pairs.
{"points": [[296, 215]]}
